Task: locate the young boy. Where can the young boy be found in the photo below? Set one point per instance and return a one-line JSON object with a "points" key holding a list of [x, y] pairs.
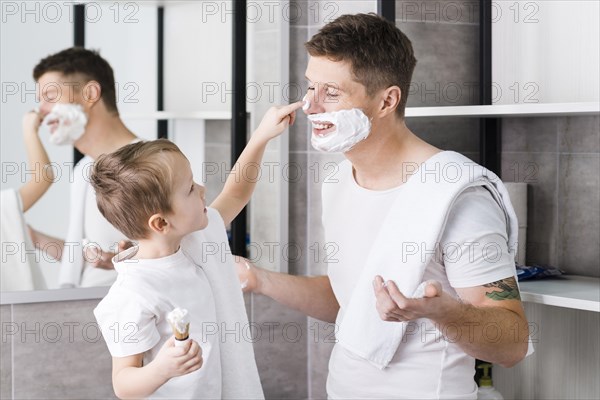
{"points": [[146, 190], [16, 237]]}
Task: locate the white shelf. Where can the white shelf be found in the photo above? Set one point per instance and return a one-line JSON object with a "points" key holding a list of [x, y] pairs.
{"points": [[45, 296], [157, 115], [506, 110], [569, 291], [503, 110]]}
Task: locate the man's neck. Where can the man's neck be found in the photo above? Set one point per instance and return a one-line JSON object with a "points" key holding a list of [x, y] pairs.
{"points": [[104, 135], [389, 156]]}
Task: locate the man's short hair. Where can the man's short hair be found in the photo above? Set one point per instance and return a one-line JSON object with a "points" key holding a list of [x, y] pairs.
{"points": [[380, 55], [83, 64], [134, 183]]}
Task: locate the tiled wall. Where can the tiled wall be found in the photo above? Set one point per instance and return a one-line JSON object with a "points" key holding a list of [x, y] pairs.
{"points": [[445, 41], [53, 351], [560, 158]]}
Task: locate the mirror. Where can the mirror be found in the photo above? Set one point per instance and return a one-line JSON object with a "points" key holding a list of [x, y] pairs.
{"points": [[197, 100]]}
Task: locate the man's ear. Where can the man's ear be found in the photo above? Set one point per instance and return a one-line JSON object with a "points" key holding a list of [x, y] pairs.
{"points": [[390, 101], [92, 92], [158, 224]]}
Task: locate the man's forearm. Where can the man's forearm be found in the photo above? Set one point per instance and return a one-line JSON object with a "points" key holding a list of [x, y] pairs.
{"points": [[44, 175], [50, 245], [492, 334], [312, 296]]}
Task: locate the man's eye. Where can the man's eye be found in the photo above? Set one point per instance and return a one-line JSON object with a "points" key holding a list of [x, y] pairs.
{"points": [[192, 189], [311, 88]]}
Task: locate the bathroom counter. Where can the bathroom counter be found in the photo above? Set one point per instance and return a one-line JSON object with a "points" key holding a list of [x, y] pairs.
{"points": [[569, 291]]}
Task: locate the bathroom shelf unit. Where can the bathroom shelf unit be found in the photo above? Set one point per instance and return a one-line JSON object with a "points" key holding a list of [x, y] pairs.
{"points": [[503, 110], [171, 115], [568, 291], [53, 295], [507, 110]]}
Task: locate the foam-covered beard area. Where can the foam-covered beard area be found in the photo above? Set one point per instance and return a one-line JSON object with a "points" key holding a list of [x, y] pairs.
{"points": [[71, 121], [351, 127]]}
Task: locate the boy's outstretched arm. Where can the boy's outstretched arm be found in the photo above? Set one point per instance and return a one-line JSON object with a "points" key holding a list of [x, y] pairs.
{"points": [[37, 161], [241, 180]]}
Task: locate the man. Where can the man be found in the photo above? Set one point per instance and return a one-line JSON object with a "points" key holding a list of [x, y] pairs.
{"points": [[360, 69], [77, 98]]}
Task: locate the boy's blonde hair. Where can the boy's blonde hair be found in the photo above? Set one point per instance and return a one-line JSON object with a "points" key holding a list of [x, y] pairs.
{"points": [[134, 183]]}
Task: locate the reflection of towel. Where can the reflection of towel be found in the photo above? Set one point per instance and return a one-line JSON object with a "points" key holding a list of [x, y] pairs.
{"points": [[19, 270], [71, 264], [209, 250], [403, 247]]}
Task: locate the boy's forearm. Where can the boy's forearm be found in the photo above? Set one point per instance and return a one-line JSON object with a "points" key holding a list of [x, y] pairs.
{"points": [[137, 382], [242, 180]]}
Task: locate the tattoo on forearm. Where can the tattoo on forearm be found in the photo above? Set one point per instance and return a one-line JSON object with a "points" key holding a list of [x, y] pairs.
{"points": [[508, 290]]}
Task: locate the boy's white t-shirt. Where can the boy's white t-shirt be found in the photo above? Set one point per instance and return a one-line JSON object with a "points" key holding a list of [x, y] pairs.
{"points": [[133, 318], [473, 251]]}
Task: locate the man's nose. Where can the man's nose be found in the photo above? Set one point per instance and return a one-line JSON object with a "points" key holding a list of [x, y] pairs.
{"points": [[45, 108], [315, 103]]}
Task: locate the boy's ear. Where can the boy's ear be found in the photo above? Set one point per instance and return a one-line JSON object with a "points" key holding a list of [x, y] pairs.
{"points": [[158, 223]]}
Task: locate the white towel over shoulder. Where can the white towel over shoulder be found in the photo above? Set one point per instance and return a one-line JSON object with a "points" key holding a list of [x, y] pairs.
{"points": [[403, 246], [212, 252]]}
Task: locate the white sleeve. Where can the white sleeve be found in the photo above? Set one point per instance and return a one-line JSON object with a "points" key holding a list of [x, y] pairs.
{"points": [[475, 241], [127, 326]]}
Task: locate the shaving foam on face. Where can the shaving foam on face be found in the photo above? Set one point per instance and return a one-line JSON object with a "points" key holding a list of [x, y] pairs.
{"points": [[71, 123], [351, 127], [306, 105]]}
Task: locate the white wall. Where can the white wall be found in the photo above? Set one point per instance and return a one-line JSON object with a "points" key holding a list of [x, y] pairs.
{"points": [[198, 56], [546, 51], [127, 39]]}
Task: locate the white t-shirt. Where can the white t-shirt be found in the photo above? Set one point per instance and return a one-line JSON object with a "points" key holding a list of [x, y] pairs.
{"points": [[100, 232], [133, 318], [425, 365]]}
